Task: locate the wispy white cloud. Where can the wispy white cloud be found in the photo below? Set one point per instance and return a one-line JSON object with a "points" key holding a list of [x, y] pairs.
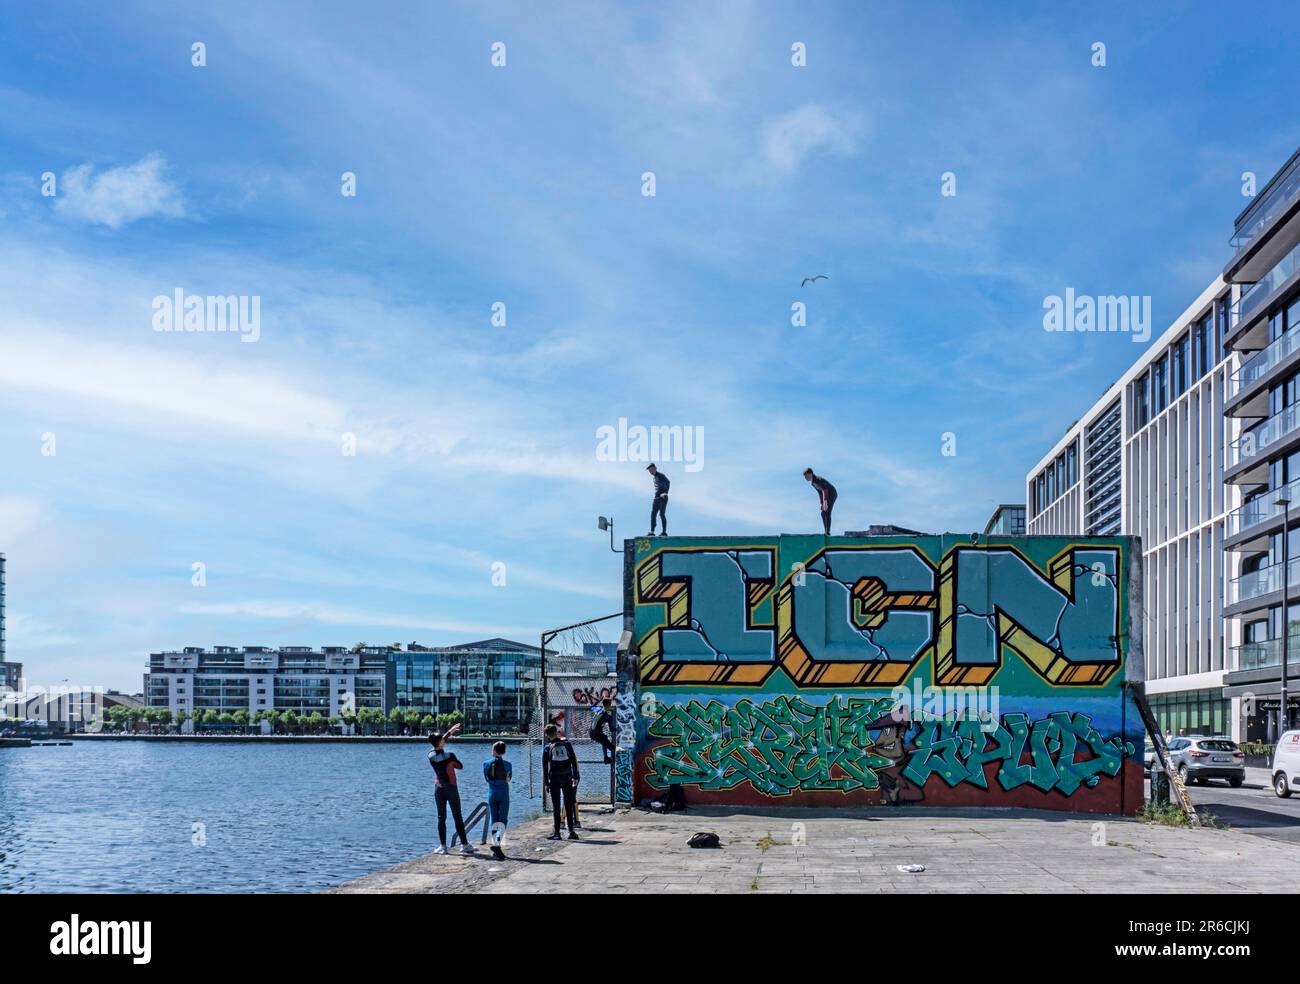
{"points": [[330, 615], [121, 195], [791, 138]]}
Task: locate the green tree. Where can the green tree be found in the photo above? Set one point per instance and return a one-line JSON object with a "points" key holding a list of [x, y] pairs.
{"points": [[164, 717], [241, 720], [135, 715], [427, 723], [290, 721], [396, 717], [315, 721], [334, 723], [181, 718]]}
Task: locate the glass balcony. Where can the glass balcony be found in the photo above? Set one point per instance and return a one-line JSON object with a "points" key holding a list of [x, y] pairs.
{"points": [[1268, 209], [1262, 361], [1262, 582], [1254, 443], [1258, 294], [1259, 655], [1263, 509]]}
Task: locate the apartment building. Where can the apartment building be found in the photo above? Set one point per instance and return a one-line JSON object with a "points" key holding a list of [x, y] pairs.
{"points": [[1262, 410], [256, 678], [1147, 459]]}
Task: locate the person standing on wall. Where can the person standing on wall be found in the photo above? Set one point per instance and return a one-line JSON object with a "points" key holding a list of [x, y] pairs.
{"points": [[826, 493], [659, 506], [560, 778]]}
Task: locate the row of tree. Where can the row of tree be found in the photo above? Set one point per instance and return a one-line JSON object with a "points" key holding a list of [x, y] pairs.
{"points": [[366, 721]]}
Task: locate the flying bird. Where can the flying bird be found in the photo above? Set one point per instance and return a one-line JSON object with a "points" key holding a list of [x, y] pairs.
{"points": [[813, 280]]}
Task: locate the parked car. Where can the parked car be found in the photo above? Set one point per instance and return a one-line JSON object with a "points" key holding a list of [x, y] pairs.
{"points": [[1148, 758], [1200, 757], [1286, 764]]}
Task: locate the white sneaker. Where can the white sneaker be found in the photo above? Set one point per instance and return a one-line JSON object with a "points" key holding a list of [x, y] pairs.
{"points": [[440, 849], [467, 849]]}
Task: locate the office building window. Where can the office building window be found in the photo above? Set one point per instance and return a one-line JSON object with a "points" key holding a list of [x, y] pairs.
{"points": [[1071, 465], [1141, 404], [1160, 385], [1178, 365]]}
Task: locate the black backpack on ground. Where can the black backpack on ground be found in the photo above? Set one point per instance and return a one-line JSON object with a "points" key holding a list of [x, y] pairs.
{"points": [[704, 839]]}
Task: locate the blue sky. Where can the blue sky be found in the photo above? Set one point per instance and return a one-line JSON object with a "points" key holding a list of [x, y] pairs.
{"points": [[476, 444]]}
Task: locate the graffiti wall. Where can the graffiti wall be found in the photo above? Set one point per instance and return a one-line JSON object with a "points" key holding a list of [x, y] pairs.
{"points": [[944, 670]]}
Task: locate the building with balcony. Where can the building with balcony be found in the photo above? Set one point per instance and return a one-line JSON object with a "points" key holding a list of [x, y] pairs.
{"points": [[494, 683], [1147, 459], [225, 679], [1262, 411]]}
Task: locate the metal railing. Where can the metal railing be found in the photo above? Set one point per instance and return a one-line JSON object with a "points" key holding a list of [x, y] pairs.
{"points": [[479, 812], [1258, 294], [1278, 426], [1268, 209], [1262, 509], [1259, 655], [1263, 581], [1262, 361]]}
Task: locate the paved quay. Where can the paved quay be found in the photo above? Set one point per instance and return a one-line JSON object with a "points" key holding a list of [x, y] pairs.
{"points": [[793, 850]]}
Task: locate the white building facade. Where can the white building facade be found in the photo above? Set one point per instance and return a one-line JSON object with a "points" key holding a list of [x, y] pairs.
{"points": [[1147, 460]]}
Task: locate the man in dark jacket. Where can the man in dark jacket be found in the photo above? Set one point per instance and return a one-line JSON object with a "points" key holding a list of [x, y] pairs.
{"points": [[826, 493], [602, 730], [659, 507], [560, 778]]}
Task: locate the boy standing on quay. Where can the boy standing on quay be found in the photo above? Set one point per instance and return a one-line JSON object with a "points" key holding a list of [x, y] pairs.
{"points": [[560, 777], [445, 791], [497, 771]]}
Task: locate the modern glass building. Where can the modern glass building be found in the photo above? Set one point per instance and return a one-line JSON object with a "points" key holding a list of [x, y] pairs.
{"points": [[1007, 520], [1263, 465], [1147, 459], [494, 683]]}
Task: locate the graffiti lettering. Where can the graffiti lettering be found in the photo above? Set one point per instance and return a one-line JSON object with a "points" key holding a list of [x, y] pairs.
{"points": [[957, 751], [778, 747]]}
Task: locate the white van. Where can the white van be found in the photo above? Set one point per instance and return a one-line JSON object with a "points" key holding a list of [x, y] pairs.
{"points": [[1286, 764]]}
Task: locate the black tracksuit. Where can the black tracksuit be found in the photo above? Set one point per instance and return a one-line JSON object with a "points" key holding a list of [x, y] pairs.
{"points": [[560, 776], [827, 494], [605, 733], [659, 507]]}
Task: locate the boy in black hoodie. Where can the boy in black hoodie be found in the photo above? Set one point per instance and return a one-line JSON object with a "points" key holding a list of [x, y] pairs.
{"points": [[560, 777]]}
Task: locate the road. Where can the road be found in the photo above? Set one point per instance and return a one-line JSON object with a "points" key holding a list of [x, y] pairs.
{"points": [[1251, 810]]}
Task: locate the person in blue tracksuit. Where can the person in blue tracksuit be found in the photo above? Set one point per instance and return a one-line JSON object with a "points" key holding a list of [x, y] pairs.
{"points": [[497, 771]]}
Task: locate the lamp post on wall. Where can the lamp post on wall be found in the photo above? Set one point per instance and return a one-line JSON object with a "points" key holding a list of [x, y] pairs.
{"points": [[607, 524], [1284, 715]]}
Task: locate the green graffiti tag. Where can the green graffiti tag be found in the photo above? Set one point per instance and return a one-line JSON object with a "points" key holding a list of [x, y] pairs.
{"points": [[784, 745], [957, 752]]}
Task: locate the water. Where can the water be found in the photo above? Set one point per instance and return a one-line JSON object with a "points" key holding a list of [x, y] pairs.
{"points": [[120, 816]]}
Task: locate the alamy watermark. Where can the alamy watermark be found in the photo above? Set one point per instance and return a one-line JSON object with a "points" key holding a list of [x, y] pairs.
{"points": [[926, 703], [213, 312], [658, 443], [1106, 312]]}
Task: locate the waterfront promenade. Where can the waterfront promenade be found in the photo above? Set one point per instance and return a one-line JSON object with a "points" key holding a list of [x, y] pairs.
{"points": [[789, 850]]}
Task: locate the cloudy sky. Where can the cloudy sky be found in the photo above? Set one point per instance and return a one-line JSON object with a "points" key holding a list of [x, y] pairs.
{"points": [[128, 455]]}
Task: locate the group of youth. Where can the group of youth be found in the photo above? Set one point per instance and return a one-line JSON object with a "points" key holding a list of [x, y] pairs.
{"points": [[560, 776]]}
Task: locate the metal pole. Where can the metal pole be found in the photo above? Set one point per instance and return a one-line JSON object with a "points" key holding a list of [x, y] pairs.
{"points": [[1284, 712]]}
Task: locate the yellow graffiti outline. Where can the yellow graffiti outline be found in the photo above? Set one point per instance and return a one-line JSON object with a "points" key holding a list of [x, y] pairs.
{"points": [[869, 609], [654, 670], [1052, 667]]}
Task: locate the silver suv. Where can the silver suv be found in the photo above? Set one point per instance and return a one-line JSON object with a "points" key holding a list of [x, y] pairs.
{"points": [[1200, 757]]}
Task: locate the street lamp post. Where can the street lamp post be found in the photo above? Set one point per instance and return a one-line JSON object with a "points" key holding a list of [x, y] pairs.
{"points": [[607, 524], [1284, 716]]}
